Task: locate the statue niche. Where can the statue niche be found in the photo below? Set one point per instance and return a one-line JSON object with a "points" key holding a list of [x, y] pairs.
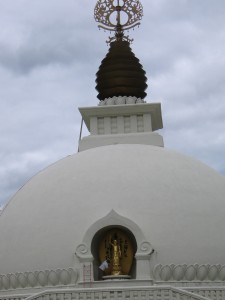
{"points": [[116, 248]]}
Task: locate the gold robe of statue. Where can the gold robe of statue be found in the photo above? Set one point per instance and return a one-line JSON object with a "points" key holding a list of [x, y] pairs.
{"points": [[116, 258]]}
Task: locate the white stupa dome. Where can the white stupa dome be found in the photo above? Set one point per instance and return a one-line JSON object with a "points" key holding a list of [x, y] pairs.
{"points": [[124, 218], [175, 200]]}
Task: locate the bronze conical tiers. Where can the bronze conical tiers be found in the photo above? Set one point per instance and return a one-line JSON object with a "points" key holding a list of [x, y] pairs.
{"points": [[120, 73]]}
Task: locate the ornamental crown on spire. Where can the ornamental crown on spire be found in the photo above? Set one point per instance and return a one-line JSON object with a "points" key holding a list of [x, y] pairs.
{"points": [[118, 16]]}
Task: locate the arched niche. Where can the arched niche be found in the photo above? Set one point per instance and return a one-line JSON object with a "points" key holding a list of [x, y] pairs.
{"points": [[100, 249], [87, 250]]}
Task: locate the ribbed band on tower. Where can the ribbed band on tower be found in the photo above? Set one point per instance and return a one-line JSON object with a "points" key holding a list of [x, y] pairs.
{"points": [[120, 73]]}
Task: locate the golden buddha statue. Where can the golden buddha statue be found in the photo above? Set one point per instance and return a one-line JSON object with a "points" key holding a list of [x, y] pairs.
{"points": [[116, 259], [116, 248]]}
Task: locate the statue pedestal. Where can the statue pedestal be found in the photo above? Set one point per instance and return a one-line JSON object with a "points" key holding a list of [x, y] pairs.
{"points": [[116, 277]]}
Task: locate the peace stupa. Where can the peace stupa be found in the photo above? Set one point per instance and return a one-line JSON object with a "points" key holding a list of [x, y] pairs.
{"points": [[124, 218]]}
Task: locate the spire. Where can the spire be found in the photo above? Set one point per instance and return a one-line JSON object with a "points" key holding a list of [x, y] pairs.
{"points": [[122, 116], [120, 73]]}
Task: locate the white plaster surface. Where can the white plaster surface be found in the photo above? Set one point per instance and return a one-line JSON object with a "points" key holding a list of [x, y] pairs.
{"points": [[177, 202], [146, 138]]}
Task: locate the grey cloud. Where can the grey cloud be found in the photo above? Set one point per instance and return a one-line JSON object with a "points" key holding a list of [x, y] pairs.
{"points": [[44, 52], [42, 40], [18, 169]]}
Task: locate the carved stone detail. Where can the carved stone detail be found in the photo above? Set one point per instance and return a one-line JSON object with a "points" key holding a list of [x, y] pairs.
{"points": [[81, 250], [144, 248], [38, 278], [189, 272], [121, 100]]}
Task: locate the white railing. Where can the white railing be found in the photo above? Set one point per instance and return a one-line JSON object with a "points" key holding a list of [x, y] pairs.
{"points": [[125, 293], [214, 293], [14, 297]]}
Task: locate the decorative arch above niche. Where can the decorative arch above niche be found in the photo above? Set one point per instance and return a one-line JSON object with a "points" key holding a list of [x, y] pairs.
{"points": [[142, 247]]}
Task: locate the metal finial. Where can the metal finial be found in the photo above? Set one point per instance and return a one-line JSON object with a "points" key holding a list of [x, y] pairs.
{"points": [[118, 16]]}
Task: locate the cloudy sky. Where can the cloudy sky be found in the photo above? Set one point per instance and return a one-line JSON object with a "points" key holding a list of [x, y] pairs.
{"points": [[50, 51]]}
